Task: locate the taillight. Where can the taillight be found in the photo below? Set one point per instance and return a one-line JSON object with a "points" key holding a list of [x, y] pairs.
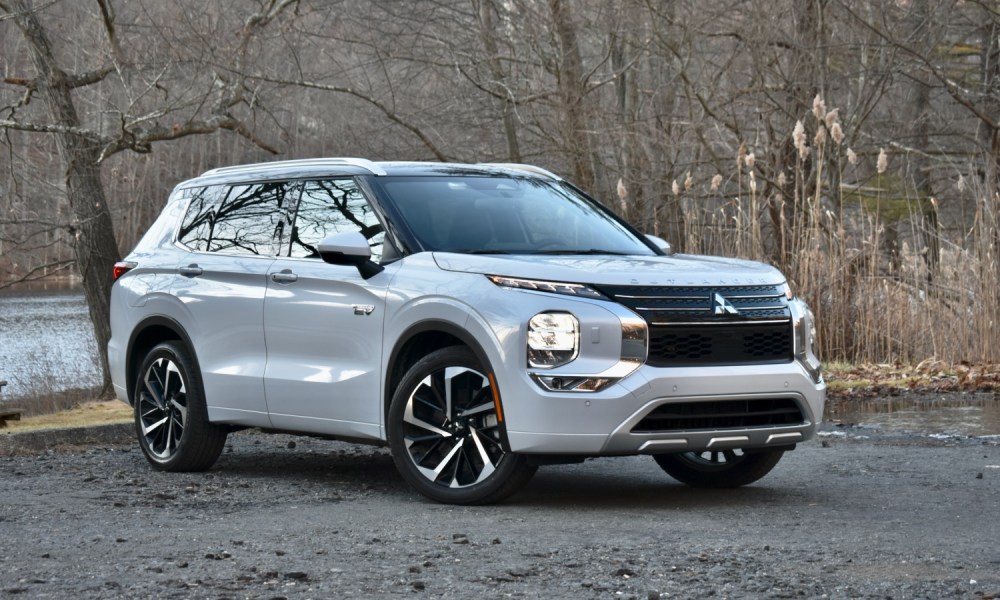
{"points": [[123, 267]]}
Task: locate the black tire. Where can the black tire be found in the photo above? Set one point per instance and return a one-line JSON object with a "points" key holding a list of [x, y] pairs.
{"points": [[452, 453], [718, 468], [171, 418]]}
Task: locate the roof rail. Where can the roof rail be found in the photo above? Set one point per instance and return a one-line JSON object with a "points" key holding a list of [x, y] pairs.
{"points": [[526, 168], [363, 163]]}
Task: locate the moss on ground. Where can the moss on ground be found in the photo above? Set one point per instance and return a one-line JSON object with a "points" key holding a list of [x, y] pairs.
{"points": [[88, 413]]}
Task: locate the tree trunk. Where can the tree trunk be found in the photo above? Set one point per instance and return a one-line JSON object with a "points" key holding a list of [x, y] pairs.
{"points": [[94, 243], [571, 92], [487, 31], [920, 119]]}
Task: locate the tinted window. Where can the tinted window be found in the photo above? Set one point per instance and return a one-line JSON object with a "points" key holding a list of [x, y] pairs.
{"points": [[250, 219], [239, 219], [329, 207], [516, 215], [196, 228]]}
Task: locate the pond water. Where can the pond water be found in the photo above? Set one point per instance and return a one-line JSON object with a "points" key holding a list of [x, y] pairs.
{"points": [[948, 413], [47, 345]]}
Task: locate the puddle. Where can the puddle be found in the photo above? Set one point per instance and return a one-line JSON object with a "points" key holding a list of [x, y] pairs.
{"points": [[953, 413]]}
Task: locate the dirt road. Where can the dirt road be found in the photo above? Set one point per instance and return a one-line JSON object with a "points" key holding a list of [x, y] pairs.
{"points": [[279, 516]]}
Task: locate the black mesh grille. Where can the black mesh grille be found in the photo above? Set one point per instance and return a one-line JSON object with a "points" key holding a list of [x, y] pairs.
{"points": [[722, 414], [725, 325], [720, 344]]}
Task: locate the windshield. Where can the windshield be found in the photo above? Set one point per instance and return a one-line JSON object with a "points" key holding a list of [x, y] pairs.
{"points": [[505, 215]]}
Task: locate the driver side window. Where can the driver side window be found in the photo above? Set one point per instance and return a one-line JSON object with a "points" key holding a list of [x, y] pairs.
{"points": [[333, 206]]}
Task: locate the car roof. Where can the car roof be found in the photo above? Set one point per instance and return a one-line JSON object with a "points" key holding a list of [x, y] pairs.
{"points": [[346, 166]]}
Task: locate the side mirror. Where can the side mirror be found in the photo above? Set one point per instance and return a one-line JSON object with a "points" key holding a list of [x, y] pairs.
{"points": [[350, 248], [660, 243]]}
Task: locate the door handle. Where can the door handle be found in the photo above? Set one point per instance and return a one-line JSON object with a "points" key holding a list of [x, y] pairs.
{"points": [[191, 270], [284, 276]]}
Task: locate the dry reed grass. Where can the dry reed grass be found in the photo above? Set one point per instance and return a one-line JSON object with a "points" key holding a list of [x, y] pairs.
{"points": [[865, 266]]}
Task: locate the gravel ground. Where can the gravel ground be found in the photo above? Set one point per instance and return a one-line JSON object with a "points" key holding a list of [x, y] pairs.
{"points": [[855, 514]]}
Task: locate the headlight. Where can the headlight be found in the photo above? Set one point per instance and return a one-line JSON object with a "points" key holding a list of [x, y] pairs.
{"points": [[805, 339], [634, 343], [553, 340]]}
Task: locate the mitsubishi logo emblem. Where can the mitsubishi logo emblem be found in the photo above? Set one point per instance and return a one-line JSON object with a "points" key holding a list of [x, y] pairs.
{"points": [[721, 306]]}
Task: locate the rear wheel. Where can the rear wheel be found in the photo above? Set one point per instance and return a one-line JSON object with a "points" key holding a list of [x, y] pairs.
{"points": [[171, 419], [718, 468], [445, 432]]}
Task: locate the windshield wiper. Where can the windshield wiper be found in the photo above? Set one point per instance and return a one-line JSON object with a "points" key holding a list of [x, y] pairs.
{"points": [[585, 252], [477, 251]]}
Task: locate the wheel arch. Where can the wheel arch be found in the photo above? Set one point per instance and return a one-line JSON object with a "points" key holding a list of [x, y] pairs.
{"points": [[146, 335]]}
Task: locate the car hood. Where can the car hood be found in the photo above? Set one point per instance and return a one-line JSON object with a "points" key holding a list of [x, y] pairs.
{"points": [[677, 269]]}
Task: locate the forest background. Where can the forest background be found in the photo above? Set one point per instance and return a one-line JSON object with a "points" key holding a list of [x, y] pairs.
{"points": [[854, 144]]}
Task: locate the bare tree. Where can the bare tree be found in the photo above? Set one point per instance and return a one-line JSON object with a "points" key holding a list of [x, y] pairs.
{"points": [[83, 144]]}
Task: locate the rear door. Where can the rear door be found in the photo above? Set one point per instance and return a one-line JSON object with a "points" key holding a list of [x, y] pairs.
{"points": [[323, 322], [232, 233]]}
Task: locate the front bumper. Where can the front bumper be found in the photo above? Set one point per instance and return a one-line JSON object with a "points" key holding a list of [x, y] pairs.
{"points": [[602, 424]]}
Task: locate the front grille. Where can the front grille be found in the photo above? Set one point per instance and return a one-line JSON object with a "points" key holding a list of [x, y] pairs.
{"points": [[721, 414], [765, 343], [665, 305], [707, 325]]}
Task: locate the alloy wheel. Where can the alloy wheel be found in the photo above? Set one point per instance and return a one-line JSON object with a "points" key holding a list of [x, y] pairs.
{"points": [[162, 408], [450, 427]]}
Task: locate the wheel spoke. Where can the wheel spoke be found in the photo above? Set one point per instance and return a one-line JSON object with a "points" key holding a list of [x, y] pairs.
{"points": [[168, 439], [173, 375], [488, 466], [434, 473], [146, 430], [449, 375], [420, 439], [478, 409], [412, 420], [155, 393], [182, 410]]}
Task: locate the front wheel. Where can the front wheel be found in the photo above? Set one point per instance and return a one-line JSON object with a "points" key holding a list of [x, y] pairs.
{"points": [[718, 468], [445, 432], [171, 418]]}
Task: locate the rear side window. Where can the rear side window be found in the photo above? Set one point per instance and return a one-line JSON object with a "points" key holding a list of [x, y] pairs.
{"points": [[250, 219], [333, 206], [196, 228], [246, 219]]}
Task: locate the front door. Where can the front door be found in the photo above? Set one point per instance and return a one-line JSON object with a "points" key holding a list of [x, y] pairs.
{"points": [[323, 323]]}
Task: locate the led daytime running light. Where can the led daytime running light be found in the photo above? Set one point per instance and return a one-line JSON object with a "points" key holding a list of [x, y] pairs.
{"points": [[553, 287]]}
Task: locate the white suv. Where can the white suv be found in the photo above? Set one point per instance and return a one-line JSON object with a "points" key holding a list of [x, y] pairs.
{"points": [[480, 319]]}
